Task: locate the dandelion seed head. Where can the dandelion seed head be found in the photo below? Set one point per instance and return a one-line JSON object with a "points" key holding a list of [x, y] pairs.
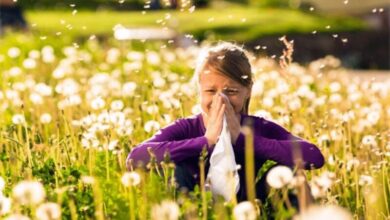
{"points": [[5, 205], [151, 126], [29, 192], [14, 52], [18, 119], [131, 179], [323, 213], [48, 211], [244, 211], [45, 118], [279, 176], [166, 210], [17, 217]]}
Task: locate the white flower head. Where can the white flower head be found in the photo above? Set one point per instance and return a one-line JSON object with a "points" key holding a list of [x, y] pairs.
{"points": [[365, 180], [5, 205], [18, 119], [131, 179], [88, 179], [48, 211], [279, 176], [324, 213], [45, 118], [244, 211], [13, 52], [369, 140], [97, 103], [17, 217], [167, 210], [29, 192], [29, 63], [128, 89], [151, 125], [117, 105]]}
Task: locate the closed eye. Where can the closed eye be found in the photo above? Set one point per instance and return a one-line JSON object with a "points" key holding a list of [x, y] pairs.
{"points": [[231, 92]]}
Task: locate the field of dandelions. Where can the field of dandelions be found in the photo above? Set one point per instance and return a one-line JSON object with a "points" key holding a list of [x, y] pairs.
{"points": [[70, 114]]}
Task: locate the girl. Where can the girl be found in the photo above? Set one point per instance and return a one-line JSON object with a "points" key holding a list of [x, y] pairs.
{"points": [[223, 74]]}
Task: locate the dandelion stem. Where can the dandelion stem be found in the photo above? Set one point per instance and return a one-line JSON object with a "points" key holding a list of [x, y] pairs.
{"points": [[249, 164]]}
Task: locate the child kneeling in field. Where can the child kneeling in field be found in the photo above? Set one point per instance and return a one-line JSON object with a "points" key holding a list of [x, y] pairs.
{"points": [[225, 82]]}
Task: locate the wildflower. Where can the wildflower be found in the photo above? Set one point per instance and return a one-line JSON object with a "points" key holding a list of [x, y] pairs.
{"points": [[29, 192], [153, 58], [373, 117], [152, 109], [335, 87], [17, 217], [279, 176], [5, 205], [36, 99], [294, 104], [48, 211], [89, 141], [167, 210], [365, 180], [43, 89], [13, 52], [134, 55], [128, 89], [117, 105], [244, 211], [369, 140], [45, 118], [324, 213], [97, 103], [111, 145], [298, 128], [88, 179], [151, 125], [14, 71], [18, 119], [113, 55], [130, 179], [159, 82], [29, 63], [335, 98]]}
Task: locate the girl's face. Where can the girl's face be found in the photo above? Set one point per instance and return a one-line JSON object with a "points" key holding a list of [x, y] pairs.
{"points": [[212, 83]]}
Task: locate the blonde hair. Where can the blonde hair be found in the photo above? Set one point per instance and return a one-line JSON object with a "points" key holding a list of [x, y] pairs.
{"points": [[229, 60]]}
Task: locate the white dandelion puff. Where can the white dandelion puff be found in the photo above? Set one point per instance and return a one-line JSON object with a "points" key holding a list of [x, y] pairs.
{"points": [[130, 179], [279, 176], [18, 119], [45, 118], [244, 211], [167, 210], [29, 192], [48, 211]]}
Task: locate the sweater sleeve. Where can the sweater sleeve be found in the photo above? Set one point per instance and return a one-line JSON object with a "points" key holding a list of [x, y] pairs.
{"points": [[273, 142], [172, 139]]}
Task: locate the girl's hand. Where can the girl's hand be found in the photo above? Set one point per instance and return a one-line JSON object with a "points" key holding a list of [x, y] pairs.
{"points": [[215, 120], [232, 119]]}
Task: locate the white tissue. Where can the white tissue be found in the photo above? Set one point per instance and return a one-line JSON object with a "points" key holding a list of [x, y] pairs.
{"points": [[223, 176]]}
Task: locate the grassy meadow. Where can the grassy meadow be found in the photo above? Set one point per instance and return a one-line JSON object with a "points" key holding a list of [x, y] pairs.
{"points": [[73, 106]]}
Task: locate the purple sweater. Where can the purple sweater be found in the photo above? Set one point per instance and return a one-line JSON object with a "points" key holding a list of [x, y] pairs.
{"points": [[184, 141]]}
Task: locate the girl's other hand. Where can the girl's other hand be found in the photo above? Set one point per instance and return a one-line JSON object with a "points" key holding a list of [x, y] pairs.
{"points": [[215, 120]]}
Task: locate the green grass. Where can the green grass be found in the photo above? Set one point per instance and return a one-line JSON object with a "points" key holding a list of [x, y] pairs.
{"points": [[225, 24]]}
